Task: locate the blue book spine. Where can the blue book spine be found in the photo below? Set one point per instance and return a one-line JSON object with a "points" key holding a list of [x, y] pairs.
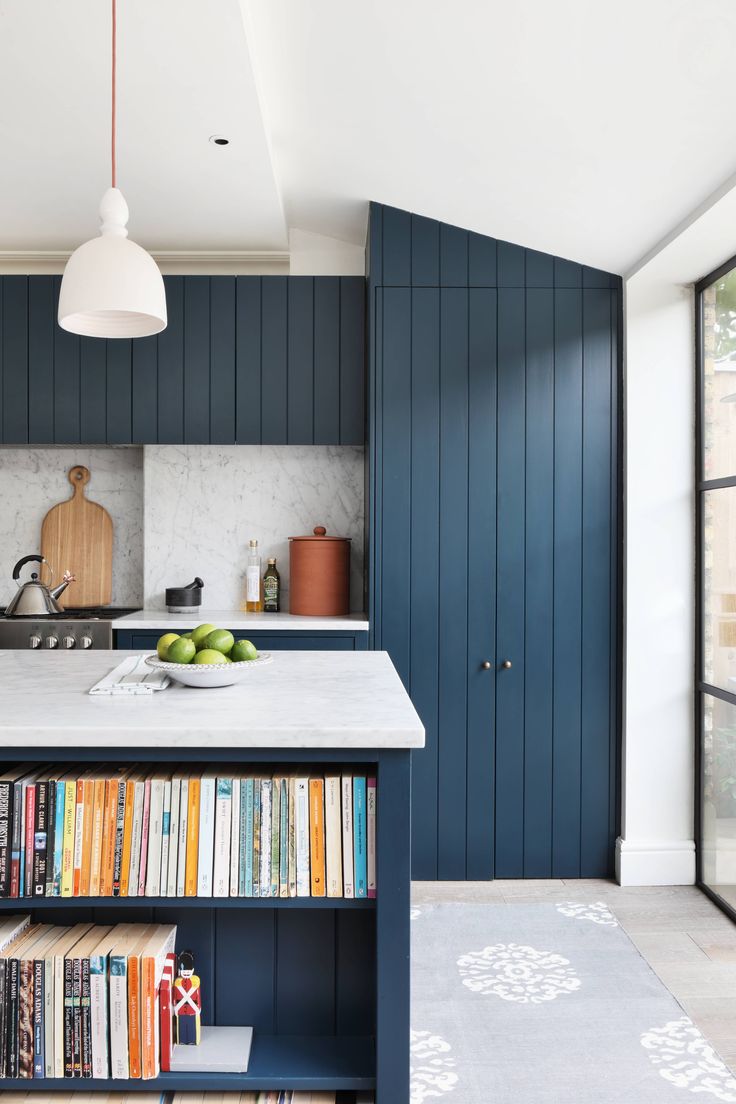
{"points": [[360, 837], [256, 827], [59, 836], [39, 1054], [246, 797]]}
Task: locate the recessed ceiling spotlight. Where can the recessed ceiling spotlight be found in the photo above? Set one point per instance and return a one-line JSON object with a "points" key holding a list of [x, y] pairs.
{"points": [[218, 140]]}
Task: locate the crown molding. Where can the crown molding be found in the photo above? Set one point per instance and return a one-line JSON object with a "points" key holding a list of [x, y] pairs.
{"points": [[172, 262]]}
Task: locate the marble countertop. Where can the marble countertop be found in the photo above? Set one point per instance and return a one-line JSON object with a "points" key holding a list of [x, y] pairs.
{"points": [[236, 619], [352, 700]]}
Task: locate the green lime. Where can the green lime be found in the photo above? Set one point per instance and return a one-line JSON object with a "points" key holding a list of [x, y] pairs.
{"points": [[163, 644], [243, 649], [200, 633], [181, 651], [210, 655], [220, 639]]}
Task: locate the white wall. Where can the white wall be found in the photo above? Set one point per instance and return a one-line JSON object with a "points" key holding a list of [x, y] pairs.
{"points": [[318, 255], [32, 480]]}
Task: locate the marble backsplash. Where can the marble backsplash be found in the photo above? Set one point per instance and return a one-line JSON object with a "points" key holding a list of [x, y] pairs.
{"points": [[203, 503], [32, 480]]}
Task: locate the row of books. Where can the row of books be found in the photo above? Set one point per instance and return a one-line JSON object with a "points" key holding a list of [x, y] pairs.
{"points": [[85, 1000], [143, 831], [282, 1097]]}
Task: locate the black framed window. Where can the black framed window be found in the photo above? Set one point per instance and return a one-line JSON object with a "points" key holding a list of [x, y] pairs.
{"points": [[715, 660]]}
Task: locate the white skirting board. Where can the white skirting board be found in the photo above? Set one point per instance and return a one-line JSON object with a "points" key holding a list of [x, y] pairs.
{"points": [[655, 862], [221, 1050]]}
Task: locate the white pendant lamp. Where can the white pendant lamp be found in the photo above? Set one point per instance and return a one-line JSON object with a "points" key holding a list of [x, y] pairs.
{"points": [[111, 287]]}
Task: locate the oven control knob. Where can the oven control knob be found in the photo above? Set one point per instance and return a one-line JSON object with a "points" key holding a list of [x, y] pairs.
{"points": [[34, 641], [51, 641], [86, 641], [68, 642]]}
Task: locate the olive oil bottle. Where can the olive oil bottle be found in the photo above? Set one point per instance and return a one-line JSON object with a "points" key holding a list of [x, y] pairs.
{"points": [[271, 588], [253, 591]]}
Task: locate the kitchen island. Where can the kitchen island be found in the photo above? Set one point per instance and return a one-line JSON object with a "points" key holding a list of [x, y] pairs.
{"points": [[324, 981]]}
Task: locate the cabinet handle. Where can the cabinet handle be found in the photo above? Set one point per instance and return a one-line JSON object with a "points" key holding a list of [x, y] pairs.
{"points": [[486, 664], [507, 664]]}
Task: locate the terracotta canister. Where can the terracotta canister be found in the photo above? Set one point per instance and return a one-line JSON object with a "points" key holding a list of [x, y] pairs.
{"points": [[319, 575]]}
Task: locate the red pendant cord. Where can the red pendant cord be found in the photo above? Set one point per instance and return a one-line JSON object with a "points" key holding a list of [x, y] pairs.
{"points": [[114, 75]]}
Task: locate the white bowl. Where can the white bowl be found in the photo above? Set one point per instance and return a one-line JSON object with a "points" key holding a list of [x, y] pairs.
{"points": [[209, 674]]}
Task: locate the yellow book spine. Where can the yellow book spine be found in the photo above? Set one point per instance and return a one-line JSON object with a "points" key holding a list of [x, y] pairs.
{"points": [[98, 811], [190, 882], [89, 797], [67, 851], [127, 839], [317, 836]]}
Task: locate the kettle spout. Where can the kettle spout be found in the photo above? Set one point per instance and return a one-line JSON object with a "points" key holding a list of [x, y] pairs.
{"points": [[56, 591]]}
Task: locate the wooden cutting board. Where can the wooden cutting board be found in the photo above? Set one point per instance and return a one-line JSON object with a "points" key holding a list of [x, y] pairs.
{"points": [[76, 536]]}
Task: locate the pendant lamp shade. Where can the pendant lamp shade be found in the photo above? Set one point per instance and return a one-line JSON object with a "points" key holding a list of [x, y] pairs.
{"points": [[111, 287]]}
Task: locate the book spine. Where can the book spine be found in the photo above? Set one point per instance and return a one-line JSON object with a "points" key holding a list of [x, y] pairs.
{"points": [[165, 841], [347, 836], [68, 1018], [166, 1025], [6, 835], [173, 838], [275, 835], [284, 839], [87, 826], [48, 1015], [67, 854], [192, 838], [13, 992], [223, 831], [245, 866], [292, 837], [77, 1016], [59, 837], [206, 837], [235, 839], [181, 860], [50, 840], [148, 1013], [16, 840], [25, 1019], [117, 860], [127, 838], [98, 1015], [264, 877], [371, 806], [40, 840], [136, 839], [59, 1015], [28, 847], [134, 1015], [78, 840], [155, 838], [119, 1064], [360, 838], [85, 1018], [3, 1019], [145, 829], [317, 836], [98, 823], [333, 837], [303, 886], [39, 1008], [256, 827]]}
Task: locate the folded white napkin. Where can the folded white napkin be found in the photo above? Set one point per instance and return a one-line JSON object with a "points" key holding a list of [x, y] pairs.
{"points": [[132, 676]]}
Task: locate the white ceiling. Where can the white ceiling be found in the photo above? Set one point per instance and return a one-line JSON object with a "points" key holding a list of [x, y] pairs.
{"points": [[586, 129]]}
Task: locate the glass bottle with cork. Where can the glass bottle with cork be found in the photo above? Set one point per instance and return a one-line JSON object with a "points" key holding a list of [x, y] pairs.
{"points": [[253, 586], [271, 588]]}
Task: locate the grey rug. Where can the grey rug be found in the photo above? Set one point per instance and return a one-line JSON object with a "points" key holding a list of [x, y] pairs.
{"points": [[547, 1004]]}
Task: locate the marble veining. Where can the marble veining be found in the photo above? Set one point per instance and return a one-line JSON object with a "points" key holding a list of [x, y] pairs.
{"points": [[300, 700], [32, 480], [203, 503]]}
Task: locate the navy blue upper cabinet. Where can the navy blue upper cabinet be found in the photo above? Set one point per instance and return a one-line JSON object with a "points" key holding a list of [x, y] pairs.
{"points": [[243, 360], [494, 375]]}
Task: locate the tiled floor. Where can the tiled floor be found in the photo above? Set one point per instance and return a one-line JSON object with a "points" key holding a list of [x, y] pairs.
{"points": [[684, 937]]}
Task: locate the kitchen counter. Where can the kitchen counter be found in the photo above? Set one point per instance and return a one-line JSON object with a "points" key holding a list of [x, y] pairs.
{"points": [[302, 700], [236, 619]]}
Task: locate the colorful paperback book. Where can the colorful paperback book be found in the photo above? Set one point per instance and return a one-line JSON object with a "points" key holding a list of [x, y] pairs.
{"points": [[205, 858], [40, 839], [371, 803], [119, 835], [59, 814], [264, 878], [221, 841], [235, 839], [192, 835], [360, 833], [98, 993], [292, 836], [98, 816], [67, 853], [145, 827], [317, 836], [78, 836], [155, 837], [136, 835], [284, 839], [303, 886], [333, 836], [275, 835], [59, 953], [165, 839], [256, 837], [29, 822], [154, 958], [173, 837], [49, 888], [346, 786], [181, 860]]}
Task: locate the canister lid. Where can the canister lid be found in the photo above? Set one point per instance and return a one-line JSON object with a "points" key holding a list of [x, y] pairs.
{"points": [[320, 533]]}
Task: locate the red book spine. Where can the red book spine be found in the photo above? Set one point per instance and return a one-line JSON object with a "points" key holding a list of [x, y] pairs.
{"points": [[166, 1040], [30, 839]]}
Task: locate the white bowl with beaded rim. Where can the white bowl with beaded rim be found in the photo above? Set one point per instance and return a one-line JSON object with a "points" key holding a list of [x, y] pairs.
{"points": [[209, 674]]}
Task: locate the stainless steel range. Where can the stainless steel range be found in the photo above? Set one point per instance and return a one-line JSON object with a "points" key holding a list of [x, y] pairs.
{"points": [[73, 628]]}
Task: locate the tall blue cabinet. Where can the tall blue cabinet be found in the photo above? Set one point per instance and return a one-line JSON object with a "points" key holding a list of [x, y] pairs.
{"points": [[494, 512]]}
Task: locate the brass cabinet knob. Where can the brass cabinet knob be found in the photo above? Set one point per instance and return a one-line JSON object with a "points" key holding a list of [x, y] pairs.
{"points": [[507, 664], [486, 664]]}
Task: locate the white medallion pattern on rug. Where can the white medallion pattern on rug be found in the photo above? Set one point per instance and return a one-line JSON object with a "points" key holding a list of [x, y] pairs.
{"points": [[432, 1069], [518, 973], [686, 1059], [598, 912]]}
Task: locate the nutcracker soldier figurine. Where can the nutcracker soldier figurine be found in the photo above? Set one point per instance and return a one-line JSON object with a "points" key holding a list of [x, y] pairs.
{"points": [[187, 1001]]}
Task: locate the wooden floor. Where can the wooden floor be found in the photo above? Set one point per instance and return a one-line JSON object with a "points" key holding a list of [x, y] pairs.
{"points": [[684, 937]]}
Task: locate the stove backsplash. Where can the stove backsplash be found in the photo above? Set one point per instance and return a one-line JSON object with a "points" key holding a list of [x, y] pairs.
{"points": [[203, 503], [33, 479]]}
